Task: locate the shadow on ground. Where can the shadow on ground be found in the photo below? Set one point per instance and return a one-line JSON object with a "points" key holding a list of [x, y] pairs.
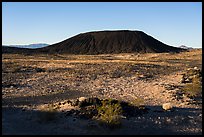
{"points": [[17, 120], [36, 100]]}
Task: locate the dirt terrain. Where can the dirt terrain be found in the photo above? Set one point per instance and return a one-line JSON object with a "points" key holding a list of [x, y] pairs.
{"points": [[29, 82]]}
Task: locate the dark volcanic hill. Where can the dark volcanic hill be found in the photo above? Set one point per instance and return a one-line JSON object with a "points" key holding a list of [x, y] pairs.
{"points": [[104, 42]]}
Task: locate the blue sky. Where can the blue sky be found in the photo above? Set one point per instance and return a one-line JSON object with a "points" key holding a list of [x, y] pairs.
{"points": [[173, 23]]}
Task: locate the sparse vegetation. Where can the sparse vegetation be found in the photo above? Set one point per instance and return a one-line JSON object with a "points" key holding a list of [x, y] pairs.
{"points": [[193, 89], [109, 113], [72, 76], [138, 102], [193, 82]]}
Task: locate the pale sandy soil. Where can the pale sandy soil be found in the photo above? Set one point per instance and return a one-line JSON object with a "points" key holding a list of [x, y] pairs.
{"points": [[69, 77]]}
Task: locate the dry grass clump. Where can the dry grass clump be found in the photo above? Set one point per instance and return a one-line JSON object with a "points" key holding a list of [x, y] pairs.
{"points": [[193, 89], [193, 80], [138, 102]]}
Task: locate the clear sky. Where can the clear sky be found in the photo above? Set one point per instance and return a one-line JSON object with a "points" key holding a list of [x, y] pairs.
{"points": [[173, 23]]}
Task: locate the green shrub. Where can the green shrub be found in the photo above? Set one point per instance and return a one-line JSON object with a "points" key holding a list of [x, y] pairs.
{"points": [[109, 113]]}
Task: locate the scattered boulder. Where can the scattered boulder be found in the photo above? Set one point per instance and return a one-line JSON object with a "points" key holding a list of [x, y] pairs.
{"points": [[145, 77], [75, 102], [167, 106], [82, 99]]}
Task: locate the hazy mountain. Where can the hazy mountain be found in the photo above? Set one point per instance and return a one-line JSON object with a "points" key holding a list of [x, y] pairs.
{"points": [[31, 46], [185, 47]]}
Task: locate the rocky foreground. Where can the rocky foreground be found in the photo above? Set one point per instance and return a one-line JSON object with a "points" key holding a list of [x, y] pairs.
{"points": [[58, 96]]}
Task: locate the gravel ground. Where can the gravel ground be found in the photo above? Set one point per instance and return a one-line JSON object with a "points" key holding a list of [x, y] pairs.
{"points": [[23, 92]]}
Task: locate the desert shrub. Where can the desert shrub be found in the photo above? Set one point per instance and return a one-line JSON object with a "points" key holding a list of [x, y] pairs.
{"points": [[138, 102], [193, 89], [109, 113]]}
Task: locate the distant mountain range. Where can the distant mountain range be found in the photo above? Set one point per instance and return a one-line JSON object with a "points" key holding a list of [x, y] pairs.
{"points": [[30, 46], [185, 47]]}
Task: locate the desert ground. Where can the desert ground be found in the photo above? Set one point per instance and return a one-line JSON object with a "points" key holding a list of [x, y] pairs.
{"points": [[31, 82]]}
